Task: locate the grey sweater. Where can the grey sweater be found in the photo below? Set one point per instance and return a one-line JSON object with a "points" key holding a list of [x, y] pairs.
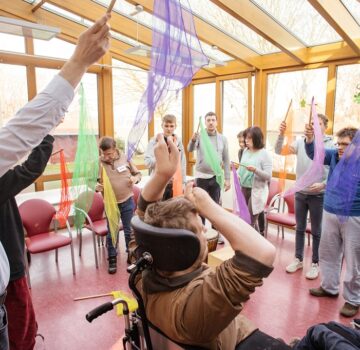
{"points": [[220, 144], [303, 162]]}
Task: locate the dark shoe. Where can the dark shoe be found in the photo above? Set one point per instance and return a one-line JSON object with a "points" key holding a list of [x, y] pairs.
{"points": [[320, 292], [112, 265], [349, 310]]}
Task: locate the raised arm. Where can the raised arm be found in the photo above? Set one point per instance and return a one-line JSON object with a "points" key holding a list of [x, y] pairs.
{"points": [[279, 145], [193, 142], [33, 122], [22, 176]]}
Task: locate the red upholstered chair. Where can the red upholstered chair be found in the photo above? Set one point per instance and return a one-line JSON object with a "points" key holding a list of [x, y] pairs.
{"points": [[282, 219], [36, 215]]}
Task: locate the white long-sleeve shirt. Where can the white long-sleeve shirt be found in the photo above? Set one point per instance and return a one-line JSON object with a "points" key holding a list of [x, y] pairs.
{"points": [[33, 122]]}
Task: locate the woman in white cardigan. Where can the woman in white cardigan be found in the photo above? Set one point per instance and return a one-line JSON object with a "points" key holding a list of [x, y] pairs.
{"points": [[255, 173]]}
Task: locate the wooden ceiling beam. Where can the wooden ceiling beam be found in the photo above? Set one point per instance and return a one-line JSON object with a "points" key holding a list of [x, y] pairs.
{"points": [[118, 23], [213, 36], [69, 28], [336, 14], [264, 25]]}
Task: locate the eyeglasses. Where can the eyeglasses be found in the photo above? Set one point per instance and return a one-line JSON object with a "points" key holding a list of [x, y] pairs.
{"points": [[342, 144]]}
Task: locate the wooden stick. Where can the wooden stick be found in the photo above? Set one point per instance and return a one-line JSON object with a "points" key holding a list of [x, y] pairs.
{"points": [[93, 296], [197, 130], [56, 152], [110, 7], [288, 110], [310, 114]]}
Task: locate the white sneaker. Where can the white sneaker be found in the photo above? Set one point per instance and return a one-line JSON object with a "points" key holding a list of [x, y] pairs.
{"points": [[313, 273], [294, 266]]}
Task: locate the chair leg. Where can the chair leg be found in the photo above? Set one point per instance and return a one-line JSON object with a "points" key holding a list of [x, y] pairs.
{"points": [[80, 240], [27, 268], [56, 255], [282, 232], [72, 257], [95, 252]]}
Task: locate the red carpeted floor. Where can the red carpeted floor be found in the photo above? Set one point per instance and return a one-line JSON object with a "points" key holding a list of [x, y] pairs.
{"points": [[282, 307]]}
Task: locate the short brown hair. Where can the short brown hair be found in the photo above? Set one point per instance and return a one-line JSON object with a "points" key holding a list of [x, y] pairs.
{"points": [[173, 213], [168, 118], [349, 131], [107, 142], [324, 118], [240, 134], [210, 114]]}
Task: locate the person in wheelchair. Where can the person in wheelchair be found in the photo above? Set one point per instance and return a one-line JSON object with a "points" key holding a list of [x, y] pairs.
{"points": [[200, 305]]}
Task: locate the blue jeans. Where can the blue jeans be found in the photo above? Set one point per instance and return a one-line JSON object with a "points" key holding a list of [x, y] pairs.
{"points": [[126, 213], [4, 337], [305, 203]]}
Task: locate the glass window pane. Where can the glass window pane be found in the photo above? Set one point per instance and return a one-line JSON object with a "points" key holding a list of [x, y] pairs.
{"points": [[300, 86], [129, 84], [353, 7], [235, 112], [347, 111], [172, 104], [13, 91], [204, 101], [230, 25], [301, 19], [12, 43], [66, 134], [53, 48]]}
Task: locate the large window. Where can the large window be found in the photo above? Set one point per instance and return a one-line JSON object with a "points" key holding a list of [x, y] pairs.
{"points": [[53, 48], [235, 112], [300, 86], [12, 43], [204, 101], [13, 91], [129, 84], [347, 111], [172, 104], [66, 134]]}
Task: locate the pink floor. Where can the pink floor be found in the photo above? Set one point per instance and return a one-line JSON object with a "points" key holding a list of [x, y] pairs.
{"points": [[282, 307]]}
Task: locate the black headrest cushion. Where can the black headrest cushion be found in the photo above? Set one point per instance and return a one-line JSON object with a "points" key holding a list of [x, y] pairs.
{"points": [[172, 249]]}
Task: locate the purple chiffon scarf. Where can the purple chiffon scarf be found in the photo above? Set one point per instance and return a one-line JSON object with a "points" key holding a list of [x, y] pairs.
{"points": [[176, 55]]}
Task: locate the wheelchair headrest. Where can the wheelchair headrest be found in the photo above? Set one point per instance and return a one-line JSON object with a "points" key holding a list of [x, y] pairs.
{"points": [[172, 249]]}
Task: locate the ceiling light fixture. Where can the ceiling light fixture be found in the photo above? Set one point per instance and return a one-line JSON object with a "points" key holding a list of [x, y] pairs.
{"points": [[27, 29], [139, 49]]}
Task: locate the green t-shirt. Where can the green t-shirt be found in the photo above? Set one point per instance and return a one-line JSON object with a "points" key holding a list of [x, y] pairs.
{"points": [[246, 176]]}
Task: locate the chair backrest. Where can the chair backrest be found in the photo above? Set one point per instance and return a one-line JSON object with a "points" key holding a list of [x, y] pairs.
{"points": [[171, 249], [290, 202], [273, 190], [136, 192], [36, 215], [96, 211]]}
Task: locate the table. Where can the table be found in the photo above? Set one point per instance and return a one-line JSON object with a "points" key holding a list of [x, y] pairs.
{"points": [[217, 257]]}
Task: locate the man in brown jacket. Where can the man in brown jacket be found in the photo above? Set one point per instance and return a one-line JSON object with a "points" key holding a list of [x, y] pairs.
{"points": [[202, 305]]}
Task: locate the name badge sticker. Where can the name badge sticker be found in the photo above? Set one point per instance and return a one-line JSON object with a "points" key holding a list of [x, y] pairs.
{"points": [[121, 168]]}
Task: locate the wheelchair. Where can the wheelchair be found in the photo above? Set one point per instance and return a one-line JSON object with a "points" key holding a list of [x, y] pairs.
{"points": [[163, 249]]}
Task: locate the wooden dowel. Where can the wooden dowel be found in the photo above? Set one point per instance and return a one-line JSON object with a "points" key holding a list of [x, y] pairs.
{"points": [[288, 110], [56, 152], [310, 114], [93, 296], [197, 130], [110, 7]]}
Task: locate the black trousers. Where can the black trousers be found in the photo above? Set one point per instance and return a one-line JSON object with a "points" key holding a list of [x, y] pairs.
{"points": [[211, 187]]}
